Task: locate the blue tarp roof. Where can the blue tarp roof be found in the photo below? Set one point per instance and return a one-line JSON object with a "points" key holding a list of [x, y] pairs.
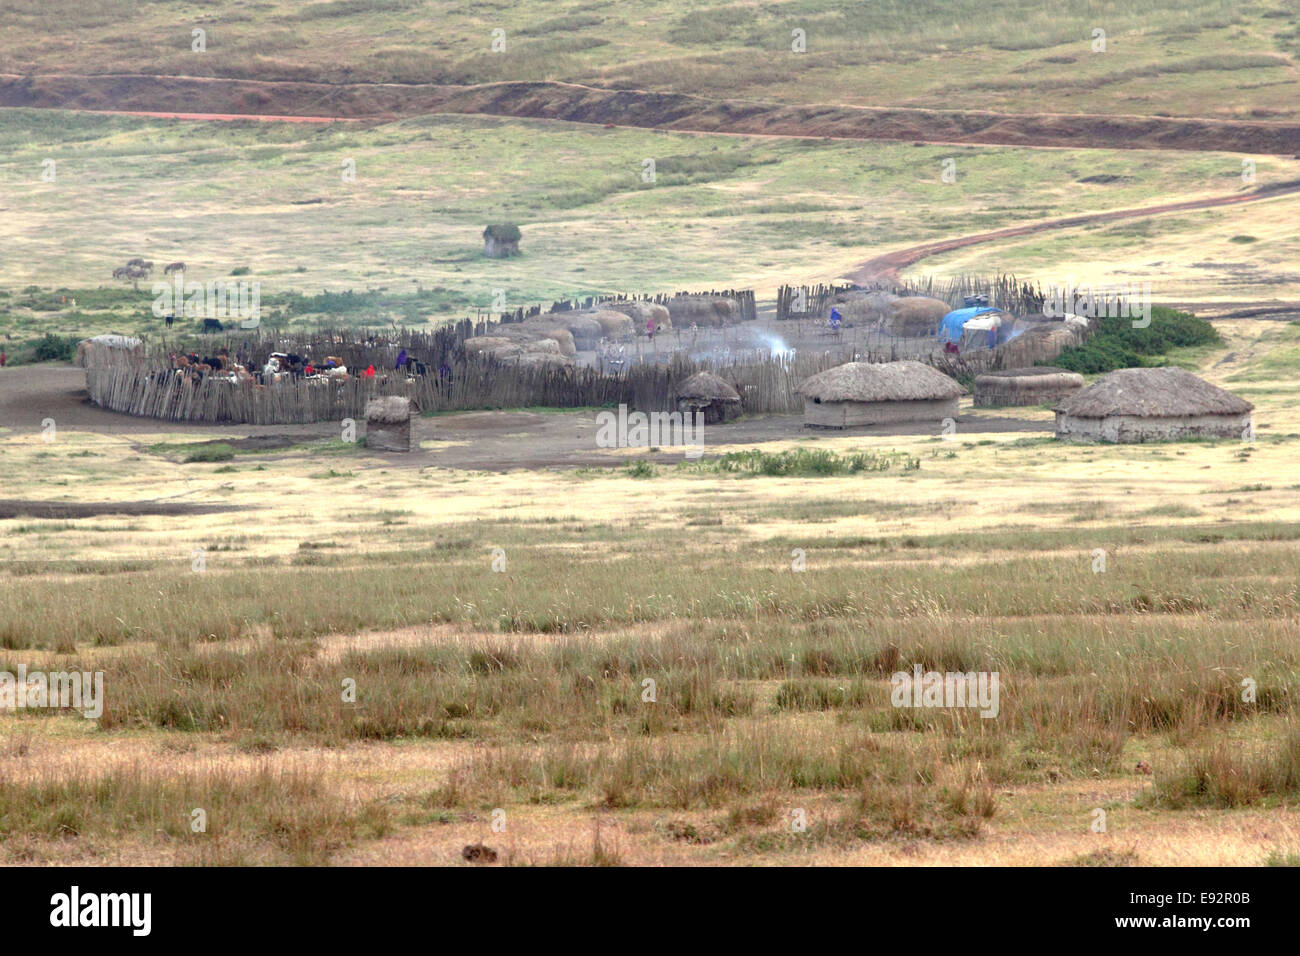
{"points": [[953, 323]]}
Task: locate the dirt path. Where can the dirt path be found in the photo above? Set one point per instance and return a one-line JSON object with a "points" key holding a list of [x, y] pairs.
{"points": [[886, 267], [296, 101]]}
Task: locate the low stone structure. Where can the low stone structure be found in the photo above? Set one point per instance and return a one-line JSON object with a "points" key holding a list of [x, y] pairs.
{"points": [[863, 393], [1152, 404], [388, 423], [1025, 386]]}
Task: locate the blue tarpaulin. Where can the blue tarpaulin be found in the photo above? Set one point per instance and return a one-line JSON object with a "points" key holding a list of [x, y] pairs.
{"points": [[953, 323]]}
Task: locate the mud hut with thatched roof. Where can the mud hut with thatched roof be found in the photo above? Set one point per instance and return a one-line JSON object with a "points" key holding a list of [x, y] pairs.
{"points": [[914, 316], [388, 423], [706, 311], [1025, 386], [1152, 404], [863, 393], [615, 326], [501, 240], [643, 313], [704, 392]]}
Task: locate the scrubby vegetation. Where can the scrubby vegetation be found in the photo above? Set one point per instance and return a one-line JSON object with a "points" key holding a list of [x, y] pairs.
{"points": [[1117, 344]]}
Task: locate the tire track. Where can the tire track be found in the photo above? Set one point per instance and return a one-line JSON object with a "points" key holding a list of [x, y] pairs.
{"points": [[885, 267]]}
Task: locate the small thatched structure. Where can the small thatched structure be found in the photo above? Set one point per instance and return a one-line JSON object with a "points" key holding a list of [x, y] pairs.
{"points": [[388, 423], [585, 330], [614, 325], [641, 313], [863, 393], [706, 311], [522, 346], [108, 351], [501, 240], [706, 393], [859, 308], [914, 316], [1039, 341], [1025, 386], [1151, 404]]}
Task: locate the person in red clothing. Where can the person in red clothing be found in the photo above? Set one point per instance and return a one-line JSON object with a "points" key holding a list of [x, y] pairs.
{"points": [[3, 358], [370, 372]]}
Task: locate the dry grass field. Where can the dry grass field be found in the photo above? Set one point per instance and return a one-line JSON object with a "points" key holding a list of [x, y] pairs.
{"points": [[516, 696], [744, 212], [314, 653], [1216, 58]]}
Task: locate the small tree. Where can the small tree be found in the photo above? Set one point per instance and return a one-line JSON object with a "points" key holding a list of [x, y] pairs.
{"points": [[501, 240], [133, 272]]}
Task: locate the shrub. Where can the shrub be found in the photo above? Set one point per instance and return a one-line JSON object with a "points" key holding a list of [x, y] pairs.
{"points": [[1116, 344], [55, 348]]}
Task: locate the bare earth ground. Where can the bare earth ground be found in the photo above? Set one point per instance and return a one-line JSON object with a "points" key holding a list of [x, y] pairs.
{"points": [[478, 441], [574, 102]]}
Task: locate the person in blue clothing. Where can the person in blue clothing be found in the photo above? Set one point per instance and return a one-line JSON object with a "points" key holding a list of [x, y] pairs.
{"points": [[836, 319]]}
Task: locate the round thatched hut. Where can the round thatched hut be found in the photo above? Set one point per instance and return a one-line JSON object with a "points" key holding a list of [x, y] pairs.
{"points": [[1025, 386], [704, 392], [864, 308], [388, 423], [706, 311], [586, 331], [1151, 404], [614, 325], [641, 313], [863, 393], [915, 315]]}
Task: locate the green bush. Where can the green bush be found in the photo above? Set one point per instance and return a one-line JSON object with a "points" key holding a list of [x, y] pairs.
{"points": [[55, 348], [503, 232], [1116, 344]]}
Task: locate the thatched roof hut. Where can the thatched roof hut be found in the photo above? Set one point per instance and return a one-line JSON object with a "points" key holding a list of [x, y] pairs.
{"points": [[704, 392], [388, 423], [1152, 404], [501, 240], [586, 331], [1025, 386], [642, 312], [1039, 341], [865, 308], [915, 315], [865, 393], [518, 345], [614, 325], [706, 311]]}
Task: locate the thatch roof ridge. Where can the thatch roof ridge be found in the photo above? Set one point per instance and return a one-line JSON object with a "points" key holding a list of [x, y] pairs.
{"points": [[706, 385], [1028, 372], [1167, 392], [388, 409], [880, 382]]}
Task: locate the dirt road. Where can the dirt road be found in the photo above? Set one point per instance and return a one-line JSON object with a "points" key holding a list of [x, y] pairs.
{"points": [[573, 102], [886, 267]]}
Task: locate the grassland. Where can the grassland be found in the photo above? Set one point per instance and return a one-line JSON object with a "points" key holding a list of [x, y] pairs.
{"points": [[521, 689], [403, 242], [1177, 57]]}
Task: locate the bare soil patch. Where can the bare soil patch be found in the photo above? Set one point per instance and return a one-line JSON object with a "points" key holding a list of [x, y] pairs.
{"points": [[222, 98], [21, 508]]}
